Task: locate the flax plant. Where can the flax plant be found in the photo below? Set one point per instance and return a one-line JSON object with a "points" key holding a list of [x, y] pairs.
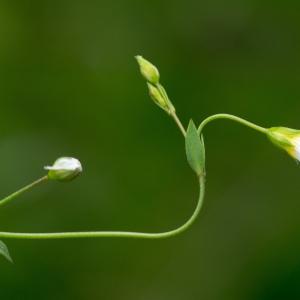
{"points": [[68, 168]]}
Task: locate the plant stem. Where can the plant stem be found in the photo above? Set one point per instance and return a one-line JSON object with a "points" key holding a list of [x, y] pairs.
{"points": [[125, 234], [112, 234], [98, 234], [178, 122], [232, 118], [22, 190], [171, 109]]}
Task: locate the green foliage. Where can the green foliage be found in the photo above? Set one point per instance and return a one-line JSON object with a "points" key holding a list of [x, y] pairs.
{"points": [[195, 151], [4, 251]]}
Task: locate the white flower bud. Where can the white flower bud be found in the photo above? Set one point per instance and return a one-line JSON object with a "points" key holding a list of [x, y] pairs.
{"points": [[148, 70], [64, 169], [287, 139]]}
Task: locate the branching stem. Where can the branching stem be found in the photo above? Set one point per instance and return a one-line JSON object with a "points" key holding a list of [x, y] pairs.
{"points": [[125, 234]]}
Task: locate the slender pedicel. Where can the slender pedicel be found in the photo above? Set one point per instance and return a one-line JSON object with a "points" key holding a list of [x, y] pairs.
{"points": [[232, 118], [18, 193]]}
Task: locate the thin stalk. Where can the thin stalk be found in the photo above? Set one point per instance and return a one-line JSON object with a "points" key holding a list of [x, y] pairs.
{"points": [[178, 122], [113, 234], [125, 234], [171, 109], [232, 118], [14, 195]]}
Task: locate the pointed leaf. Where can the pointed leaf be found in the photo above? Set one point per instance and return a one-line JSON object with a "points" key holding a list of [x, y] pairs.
{"points": [[203, 152], [195, 151], [4, 252]]}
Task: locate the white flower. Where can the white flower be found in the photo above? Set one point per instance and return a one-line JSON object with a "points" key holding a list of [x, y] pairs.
{"points": [[64, 169]]}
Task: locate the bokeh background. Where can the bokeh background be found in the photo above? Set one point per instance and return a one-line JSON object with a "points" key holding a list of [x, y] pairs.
{"points": [[69, 85]]}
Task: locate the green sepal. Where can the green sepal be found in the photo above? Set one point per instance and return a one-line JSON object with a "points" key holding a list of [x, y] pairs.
{"points": [[4, 251], [195, 150]]}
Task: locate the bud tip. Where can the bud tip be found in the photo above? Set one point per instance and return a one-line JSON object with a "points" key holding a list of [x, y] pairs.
{"points": [[148, 70], [64, 169]]}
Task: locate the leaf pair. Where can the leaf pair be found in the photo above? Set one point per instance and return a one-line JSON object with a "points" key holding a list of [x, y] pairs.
{"points": [[4, 251], [195, 149]]}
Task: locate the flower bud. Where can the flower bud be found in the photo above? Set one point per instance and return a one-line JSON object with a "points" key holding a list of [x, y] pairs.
{"points": [[64, 169], [157, 97], [148, 70], [287, 139]]}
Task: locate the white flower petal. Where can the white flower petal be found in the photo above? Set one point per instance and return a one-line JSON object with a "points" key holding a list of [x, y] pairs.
{"points": [[64, 168]]}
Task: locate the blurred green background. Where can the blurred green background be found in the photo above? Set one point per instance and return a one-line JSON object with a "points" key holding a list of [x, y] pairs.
{"points": [[70, 86]]}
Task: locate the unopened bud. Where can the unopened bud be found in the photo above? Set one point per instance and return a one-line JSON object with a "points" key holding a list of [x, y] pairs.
{"points": [[148, 70], [157, 97], [64, 169], [287, 139]]}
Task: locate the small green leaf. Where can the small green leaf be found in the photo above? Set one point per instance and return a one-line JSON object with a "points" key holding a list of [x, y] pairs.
{"points": [[195, 151], [4, 252]]}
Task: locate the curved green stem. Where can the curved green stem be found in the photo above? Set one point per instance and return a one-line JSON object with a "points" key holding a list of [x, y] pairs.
{"points": [[125, 234], [96, 234], [122, 234], [232, 118], [14, 195]]}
